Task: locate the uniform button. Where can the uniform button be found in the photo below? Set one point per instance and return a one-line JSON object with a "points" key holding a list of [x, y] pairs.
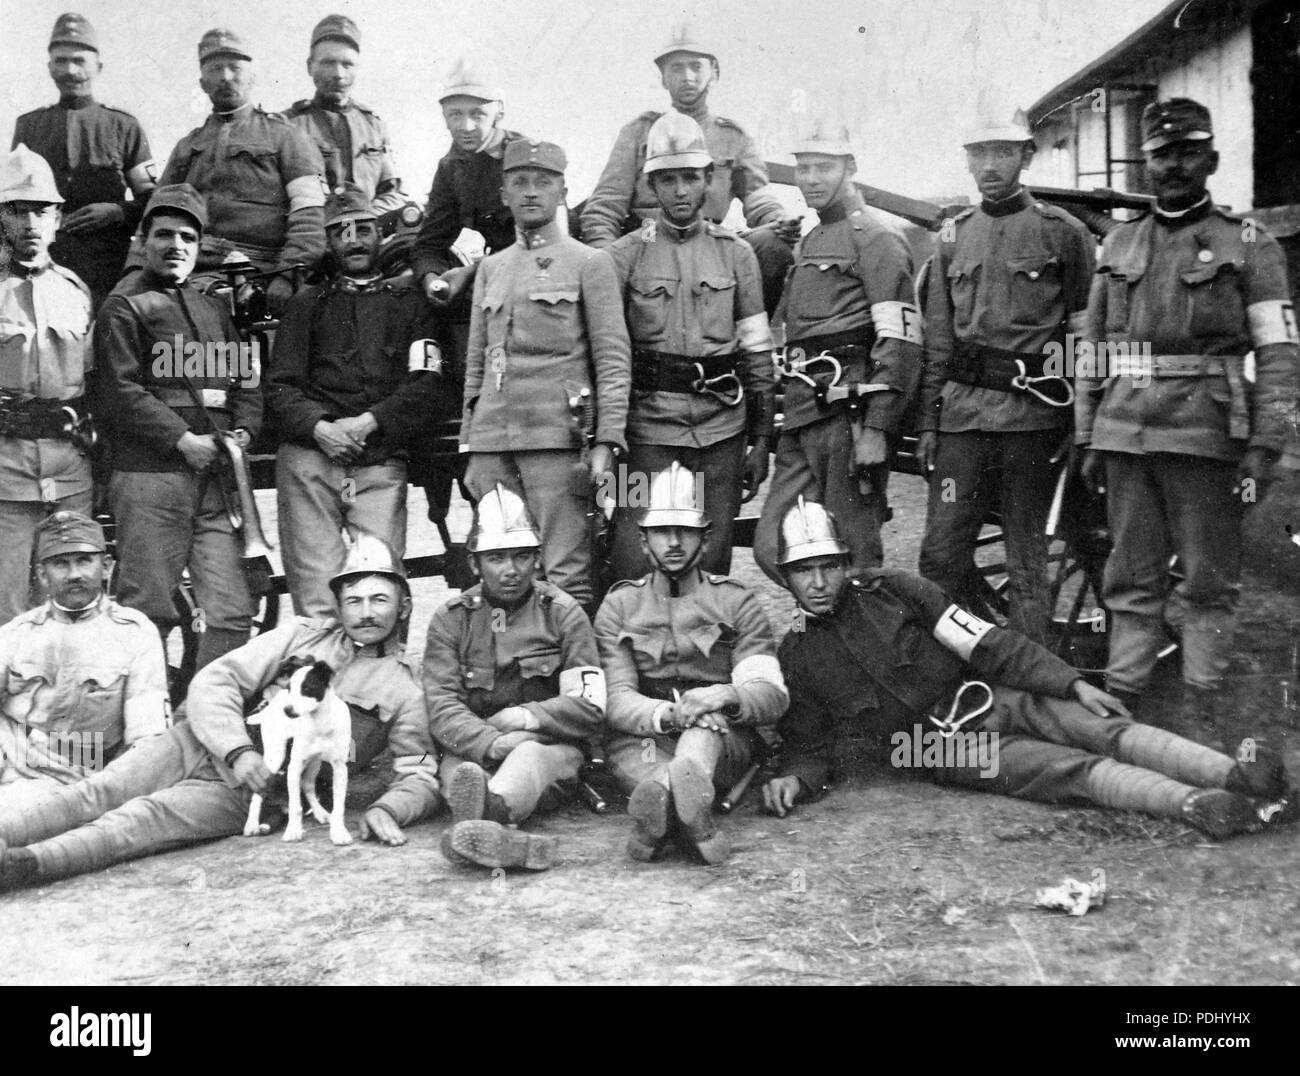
{"points": [[1033, 274], [469, 675], [1206, 255]]}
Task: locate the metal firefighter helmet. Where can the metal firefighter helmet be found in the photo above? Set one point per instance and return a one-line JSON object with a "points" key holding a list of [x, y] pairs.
{"points": [[997, 123], [501, 521], [370, 555], [807, 531], [26, 176], [826, 138], [675, 141], [683, 38], [675, 500]]}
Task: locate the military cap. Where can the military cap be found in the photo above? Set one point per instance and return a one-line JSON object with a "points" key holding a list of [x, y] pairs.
{"points": [[1179, 119], [222, 43], [530, 153], [178, 198], [828, 139], [68, 532], [466, 81], [73, 29], [337, 28], [683, 38], [348, 202], [26, 177]]}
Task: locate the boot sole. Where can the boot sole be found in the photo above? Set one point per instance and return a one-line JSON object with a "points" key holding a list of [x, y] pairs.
{"points": [[490, 844], [1221, 814], [467, 795], [693, 796], [450, 854], [648, 806]]}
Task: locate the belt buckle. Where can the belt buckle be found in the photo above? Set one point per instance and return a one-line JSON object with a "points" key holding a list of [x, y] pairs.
{"points": [[1024, 383], [708, 386], [951, 724]]}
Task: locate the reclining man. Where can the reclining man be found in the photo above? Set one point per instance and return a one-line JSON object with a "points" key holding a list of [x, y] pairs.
{"points": [[886, 649], [692, 674], [513, 686], [83, 677], [194, 782]]}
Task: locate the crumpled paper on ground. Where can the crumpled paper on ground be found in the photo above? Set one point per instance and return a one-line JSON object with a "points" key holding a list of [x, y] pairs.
{"points": [[1072, 896]]}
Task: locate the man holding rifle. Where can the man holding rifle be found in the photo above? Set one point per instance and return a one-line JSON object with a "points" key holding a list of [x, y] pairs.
{"points": [[163, 413]]}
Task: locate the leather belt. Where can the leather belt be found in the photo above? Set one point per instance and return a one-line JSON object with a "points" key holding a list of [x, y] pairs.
{"points": [[38, 418], [213, 398], [1186, 365], [665, 371], [1008, 371]]}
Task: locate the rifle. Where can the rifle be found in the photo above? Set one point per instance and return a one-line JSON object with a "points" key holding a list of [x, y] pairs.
{"points": [[582, 410]]}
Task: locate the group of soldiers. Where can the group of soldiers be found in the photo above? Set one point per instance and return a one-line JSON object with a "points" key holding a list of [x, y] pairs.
{"points": [[631, 374]]}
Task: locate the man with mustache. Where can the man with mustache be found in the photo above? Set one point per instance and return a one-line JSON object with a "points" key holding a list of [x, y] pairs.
{"points": [[194, 782], [263, 179], [166, 391], [622, 198], [891, 653], [514, 690], [1009, 280], [352, 139], [82, 678], [356, 381], [1182, 452], [45, 355], [702, 375], [548, 370], [97, 154]]}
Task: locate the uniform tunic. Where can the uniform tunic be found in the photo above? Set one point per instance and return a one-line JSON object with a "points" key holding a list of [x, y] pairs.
{"points": [[263, 180], [481, 658], [344, 349], [354, 146], [45, 354], [76, 690], [852, 275], [97, 154], [1015, 276], [1184, 297], [654, 642]]}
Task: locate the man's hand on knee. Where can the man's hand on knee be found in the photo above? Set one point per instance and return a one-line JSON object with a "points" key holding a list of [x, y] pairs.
{"points": [[1096, 701]]}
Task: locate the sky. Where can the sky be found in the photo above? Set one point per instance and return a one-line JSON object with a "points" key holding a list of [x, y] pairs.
{"points": [[905, 77]]}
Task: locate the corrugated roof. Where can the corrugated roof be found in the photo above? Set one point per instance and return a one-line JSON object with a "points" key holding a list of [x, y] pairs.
{"points": [[1145, 43]]}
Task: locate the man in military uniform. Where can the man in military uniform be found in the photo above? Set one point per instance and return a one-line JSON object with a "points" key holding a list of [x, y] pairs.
{"points": [[1009, 280], [354, 383], [352, 140], [466, 191], [513, 686], [194, 782], [261, 176], [548, 372], [1184, 447], [623, 198], [163, 416], [702, 374], [83, 677], [97, 153], [44, 356], [691, 669], [889, 651], [852, 356]]}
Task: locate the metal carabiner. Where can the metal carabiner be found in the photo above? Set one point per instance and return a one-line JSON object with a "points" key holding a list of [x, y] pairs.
{"points": [[706, 386], [1025, 383], [797, 368], [950, 725]]}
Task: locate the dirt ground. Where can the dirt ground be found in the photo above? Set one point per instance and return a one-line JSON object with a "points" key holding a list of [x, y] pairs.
{"points": [[887, 880]]}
